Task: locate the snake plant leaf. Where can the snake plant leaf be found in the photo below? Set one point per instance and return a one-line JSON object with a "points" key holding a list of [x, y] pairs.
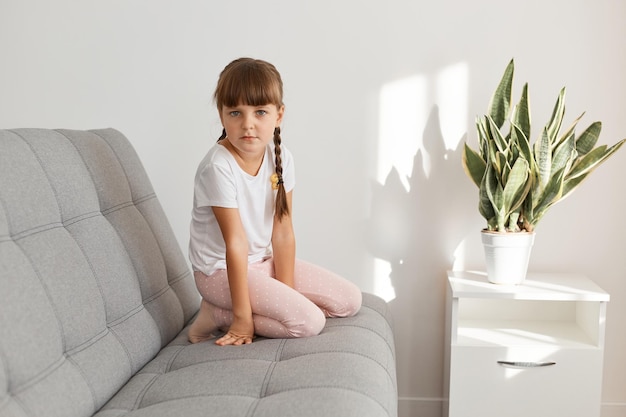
{"points": [[549, 196], [513, 226], [521, 113], [528, 209], [485, 208], [554, 125], [570, 184], [588, 139], [593, 159], [505, 200], [573, 181], [566, 134], [502, 168], [500, 104], [482, 137], [495, 193], [523, 144], [543, 159], [496, 136], [587, 162], [493, 186], [565, 154], [516, 186], [473, 165]]}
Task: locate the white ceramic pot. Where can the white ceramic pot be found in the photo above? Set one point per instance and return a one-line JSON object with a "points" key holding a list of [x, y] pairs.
{"points": [[507, 256]]}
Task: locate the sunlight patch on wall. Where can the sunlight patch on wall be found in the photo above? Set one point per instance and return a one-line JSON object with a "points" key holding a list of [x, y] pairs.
{"points": [[383, 287], [452, 98], [460, 257], [402, 118], [404, 108]]}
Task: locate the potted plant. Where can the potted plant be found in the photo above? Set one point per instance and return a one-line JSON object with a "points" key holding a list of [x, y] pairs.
{"points": [[518, 181]]}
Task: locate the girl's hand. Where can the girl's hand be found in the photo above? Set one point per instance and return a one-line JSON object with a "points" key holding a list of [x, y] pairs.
{"points": [[241, 332]]}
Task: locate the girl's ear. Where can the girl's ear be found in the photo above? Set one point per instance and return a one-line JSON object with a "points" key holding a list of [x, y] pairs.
{"points": [[281, 112]]}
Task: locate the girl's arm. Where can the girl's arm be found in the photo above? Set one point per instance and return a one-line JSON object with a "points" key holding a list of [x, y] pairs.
{"points": [[241, 330], [284, 247]]}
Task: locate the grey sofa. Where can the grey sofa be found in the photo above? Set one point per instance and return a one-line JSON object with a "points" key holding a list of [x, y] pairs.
{"points": [[96, 297]]}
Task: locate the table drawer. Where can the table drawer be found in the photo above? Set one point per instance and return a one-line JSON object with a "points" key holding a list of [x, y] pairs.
{"points": [[525, 381]]}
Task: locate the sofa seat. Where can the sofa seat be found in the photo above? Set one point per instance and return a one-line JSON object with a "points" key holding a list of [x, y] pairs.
{"points": [[345, 371]]}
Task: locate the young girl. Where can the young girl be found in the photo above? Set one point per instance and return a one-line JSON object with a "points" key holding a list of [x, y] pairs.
{"points": [[242, 245]]}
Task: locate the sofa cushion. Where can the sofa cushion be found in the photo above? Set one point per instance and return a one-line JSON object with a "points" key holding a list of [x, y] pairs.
{"points": [[93, 285]]}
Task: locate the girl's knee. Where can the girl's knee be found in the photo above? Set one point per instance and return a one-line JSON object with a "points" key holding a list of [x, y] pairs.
{"points": [[317, 324], [311, 326], [350, 303], [354, 302]]}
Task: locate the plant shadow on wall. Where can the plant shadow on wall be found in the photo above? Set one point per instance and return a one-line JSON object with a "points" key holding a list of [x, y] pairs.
{"points": [[417, 232]]}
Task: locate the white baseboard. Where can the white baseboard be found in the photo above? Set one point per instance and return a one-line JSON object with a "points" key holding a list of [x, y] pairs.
{"points": [[613, 410], [421, 407], [434, 407]]}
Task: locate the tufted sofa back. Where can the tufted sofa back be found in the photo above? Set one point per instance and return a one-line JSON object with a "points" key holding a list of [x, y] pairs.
{"points": [[92, 280]]}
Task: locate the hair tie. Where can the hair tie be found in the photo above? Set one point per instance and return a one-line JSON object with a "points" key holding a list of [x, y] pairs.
{"points": [[276, 181]]}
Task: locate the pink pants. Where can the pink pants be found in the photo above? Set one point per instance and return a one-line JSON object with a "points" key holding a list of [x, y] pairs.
{"points": [[278, 310]]}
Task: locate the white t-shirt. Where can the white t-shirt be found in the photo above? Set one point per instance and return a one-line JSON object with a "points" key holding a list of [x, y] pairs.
{"points": [[221, 182]]}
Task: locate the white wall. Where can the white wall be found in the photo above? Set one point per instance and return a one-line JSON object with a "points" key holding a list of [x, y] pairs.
{"points": [[378, 96]]}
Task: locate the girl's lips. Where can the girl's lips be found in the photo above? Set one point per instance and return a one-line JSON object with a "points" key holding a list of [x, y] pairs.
{"points": [[248, 137]]}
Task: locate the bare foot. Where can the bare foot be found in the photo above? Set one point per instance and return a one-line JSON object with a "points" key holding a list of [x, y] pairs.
{"points": [[204, 325]]}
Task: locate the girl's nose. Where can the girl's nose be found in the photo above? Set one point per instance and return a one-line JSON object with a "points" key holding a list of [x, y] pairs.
{"points": [[247, 121]]}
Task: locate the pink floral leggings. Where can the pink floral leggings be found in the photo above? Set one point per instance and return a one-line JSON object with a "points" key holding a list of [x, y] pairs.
{"points": [[278, 310]]}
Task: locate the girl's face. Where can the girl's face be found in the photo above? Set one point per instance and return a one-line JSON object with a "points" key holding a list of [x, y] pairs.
{"points": [[250, 128]]}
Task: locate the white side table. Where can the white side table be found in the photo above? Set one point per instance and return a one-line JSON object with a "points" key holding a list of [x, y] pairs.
{"points": [[534, 349]]}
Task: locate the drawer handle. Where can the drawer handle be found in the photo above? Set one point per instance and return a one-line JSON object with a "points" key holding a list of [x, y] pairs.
{"points": [[525, 364]]}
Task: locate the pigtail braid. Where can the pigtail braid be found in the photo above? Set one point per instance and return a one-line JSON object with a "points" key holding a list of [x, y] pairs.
{"points": [[223, 136], [282, 209]]}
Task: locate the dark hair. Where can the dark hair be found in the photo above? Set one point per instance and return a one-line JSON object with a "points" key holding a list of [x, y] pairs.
{"points": [[255, 82]]}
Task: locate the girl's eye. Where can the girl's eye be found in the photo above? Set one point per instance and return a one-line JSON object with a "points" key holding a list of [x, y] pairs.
{"points": [[261, 112], [234, 113]]}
